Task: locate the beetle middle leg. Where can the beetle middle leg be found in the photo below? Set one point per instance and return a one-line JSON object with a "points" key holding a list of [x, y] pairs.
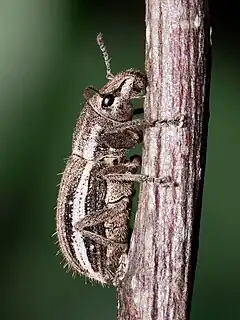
{"points": [[127, 172], [165, 181]]}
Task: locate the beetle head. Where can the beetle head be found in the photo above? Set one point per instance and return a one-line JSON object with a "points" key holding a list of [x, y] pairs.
{"points": [[113, 101]]}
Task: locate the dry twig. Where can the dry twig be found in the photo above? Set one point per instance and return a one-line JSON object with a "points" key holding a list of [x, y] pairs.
{"points": [[163, 251]]}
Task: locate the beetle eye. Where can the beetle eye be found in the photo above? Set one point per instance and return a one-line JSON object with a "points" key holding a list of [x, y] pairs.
{"points": [[108, 100]]}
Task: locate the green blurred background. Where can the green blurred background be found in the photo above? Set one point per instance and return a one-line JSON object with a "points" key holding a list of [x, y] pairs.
{"points": [[48, 55]]}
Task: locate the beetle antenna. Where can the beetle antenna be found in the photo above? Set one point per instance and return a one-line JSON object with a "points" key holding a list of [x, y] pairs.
{"points": [[106, 57]]}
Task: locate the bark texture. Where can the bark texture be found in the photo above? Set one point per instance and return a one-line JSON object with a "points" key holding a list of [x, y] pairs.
{"points": [[163, 250]]}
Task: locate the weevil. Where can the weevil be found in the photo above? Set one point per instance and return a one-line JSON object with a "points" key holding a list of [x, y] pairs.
{"points": [[96, 188]]}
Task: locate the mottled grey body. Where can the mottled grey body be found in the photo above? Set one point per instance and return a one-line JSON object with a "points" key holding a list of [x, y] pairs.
{"points": [[94, 198]]}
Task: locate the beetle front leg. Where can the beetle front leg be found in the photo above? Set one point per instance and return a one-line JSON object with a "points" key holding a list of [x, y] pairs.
{"points": [[136, 124], [123, 136], [127, 135]]}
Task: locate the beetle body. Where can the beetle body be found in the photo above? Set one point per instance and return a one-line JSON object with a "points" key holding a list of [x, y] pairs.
{"points": [[92, 210]]}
